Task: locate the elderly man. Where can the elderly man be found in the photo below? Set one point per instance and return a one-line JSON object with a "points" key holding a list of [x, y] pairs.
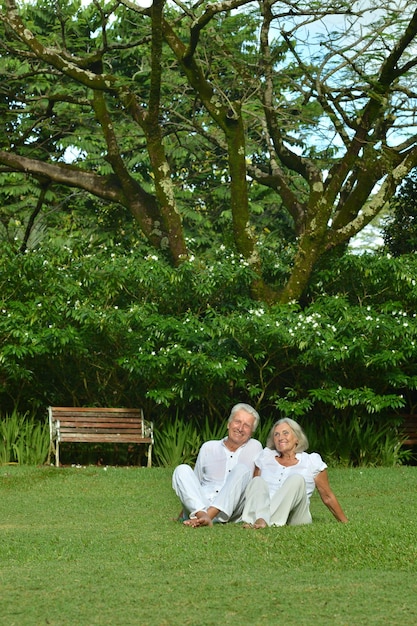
{"points": [[214, 491]]}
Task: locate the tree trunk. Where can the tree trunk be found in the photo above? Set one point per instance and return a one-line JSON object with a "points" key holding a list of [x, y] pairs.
{"points": [[310, 249]]}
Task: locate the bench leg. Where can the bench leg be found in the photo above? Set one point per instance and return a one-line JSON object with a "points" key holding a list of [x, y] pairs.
{"points": [[50, 451], [53, 451], [150, 455]]}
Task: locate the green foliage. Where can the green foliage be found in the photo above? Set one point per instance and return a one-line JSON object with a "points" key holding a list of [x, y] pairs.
{"points": [[23, 440], [264, 428], [87, 322], [400, 228], [377, 281]]}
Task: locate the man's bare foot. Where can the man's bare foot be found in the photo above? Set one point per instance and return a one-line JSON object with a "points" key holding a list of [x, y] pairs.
{"points": [[202, 519]]}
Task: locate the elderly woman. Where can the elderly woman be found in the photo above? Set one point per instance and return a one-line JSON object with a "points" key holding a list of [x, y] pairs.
{"points": [[285, 477]]}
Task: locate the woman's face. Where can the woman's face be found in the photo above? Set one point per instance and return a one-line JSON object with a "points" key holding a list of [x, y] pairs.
{"points": [[284, 438]]}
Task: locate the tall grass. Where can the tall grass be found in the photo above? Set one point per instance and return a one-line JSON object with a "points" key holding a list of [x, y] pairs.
{"points": [[177, 442], [358, 442], [23, 440]]}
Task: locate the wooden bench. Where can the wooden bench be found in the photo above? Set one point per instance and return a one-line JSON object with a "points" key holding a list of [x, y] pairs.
{"points": [[409, 428], [98, 425]]}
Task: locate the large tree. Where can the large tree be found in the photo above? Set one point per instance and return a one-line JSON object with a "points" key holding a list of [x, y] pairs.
{"points": [[314, 102]]}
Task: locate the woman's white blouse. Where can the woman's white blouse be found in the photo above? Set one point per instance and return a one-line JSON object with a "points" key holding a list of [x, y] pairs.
{"points": [[275, 474]]}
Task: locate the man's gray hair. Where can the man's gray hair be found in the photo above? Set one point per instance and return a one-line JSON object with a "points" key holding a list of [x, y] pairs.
{"points": [[242, 406]]}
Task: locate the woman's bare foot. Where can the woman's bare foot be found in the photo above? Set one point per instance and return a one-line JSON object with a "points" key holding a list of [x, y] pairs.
{"points": [[260, 523]]}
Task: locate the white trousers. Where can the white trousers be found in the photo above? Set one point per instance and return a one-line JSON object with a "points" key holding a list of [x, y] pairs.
{"points": [[229, 499], [288, 505]]}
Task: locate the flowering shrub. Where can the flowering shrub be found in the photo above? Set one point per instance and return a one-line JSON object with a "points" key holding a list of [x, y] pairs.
{"points": [[108, 327]]}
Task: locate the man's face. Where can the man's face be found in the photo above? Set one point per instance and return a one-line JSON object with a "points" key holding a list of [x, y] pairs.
{"points": [[240, 427]]}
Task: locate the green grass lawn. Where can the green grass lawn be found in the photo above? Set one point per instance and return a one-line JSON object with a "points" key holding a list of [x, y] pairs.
{"points": [[84, 546]]}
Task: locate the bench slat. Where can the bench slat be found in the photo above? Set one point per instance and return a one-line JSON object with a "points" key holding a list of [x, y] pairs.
{"points": [[103, 429], [94, 412], [100, 423], [101, 438]]}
